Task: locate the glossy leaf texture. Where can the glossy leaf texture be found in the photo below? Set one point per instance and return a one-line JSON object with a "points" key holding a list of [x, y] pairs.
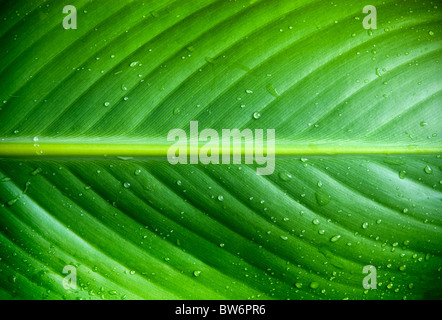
{"points": [[85, 182]]}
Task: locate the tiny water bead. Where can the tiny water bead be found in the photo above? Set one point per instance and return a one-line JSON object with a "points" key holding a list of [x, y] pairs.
{"points": [[256, 115], [335, 238], [197, 273], [107, 104], [126, 185], [220, 198], [315, 221], [137, 172], [428, 169]]}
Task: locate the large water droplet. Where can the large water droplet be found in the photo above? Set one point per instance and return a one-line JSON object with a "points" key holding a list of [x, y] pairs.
{"points": [[314, 285], [402, 174], [322, 198], [335, 238], [285, 176]]}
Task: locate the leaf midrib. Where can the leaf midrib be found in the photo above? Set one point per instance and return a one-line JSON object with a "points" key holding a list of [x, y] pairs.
{"points": [[159, 150]]}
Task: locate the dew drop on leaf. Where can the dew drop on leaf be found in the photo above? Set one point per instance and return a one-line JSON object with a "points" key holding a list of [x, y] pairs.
{"points": [[322, 198], [314, 285], [428, 169], [285, 176], [402, 174]]}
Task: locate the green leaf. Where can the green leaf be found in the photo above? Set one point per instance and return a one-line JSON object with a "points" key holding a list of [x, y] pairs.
{"points": [[85, 182]]}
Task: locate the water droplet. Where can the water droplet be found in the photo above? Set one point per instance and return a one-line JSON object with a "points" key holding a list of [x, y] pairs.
{"points": [[249, 91], [298, 285], [428, 169], [335, 238], [284, 237], [197, 273], [35, 139], [12, 202], [315, 221], [126, 185], [256, 115], [423, 124], [36, 171], [314, 285], [134, 63], [402, 174], [221, 245], [365, 225], [431, 33], [107, 104], [137, 172], [178, 182], [322, 198], [220, 198], [285, 176]]}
